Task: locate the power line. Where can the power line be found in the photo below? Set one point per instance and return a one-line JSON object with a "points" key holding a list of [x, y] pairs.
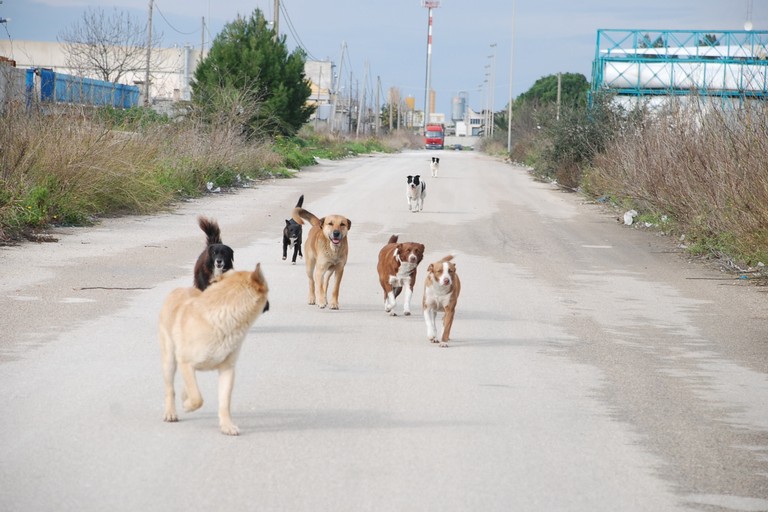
{"points": [[171, 26], [294, 32]]}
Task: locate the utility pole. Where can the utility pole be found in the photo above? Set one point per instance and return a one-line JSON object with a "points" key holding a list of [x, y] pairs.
{"points": [[337, 86], [202, 40], [493, 86], [429, 4], [149, 56], [277, 19], [376, 105]]}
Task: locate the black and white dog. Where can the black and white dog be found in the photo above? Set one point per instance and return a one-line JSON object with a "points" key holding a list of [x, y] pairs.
{"points": [[292, 233], [415, 193], [434, 166], [215, 259]]}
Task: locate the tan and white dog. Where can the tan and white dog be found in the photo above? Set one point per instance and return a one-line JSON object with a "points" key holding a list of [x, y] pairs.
{"points": [[397, 272], [441, 293], [326, 251], [203, 331]]}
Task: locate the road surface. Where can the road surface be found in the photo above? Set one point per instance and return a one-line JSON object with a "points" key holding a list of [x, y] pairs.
{"points": [[592, 366]]}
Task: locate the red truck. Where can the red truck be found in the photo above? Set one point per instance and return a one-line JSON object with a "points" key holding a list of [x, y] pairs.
{"points": [[434, 136]]}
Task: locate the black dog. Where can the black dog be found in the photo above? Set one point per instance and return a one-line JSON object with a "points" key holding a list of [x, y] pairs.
{"points": [[292, 235], [216, 259]]}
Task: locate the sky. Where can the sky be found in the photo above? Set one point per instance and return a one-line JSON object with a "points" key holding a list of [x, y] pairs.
{"points": [[479, 47]]}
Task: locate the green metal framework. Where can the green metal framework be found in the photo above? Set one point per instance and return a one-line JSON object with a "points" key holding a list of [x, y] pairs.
{"points": [[727, 64]]}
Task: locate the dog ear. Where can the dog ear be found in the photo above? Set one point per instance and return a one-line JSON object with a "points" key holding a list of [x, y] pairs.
{"points": [[287, 222], [349, 224]]}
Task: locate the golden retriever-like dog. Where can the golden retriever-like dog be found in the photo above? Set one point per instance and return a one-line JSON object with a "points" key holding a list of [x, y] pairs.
{"points": [[326, 251], [204, 330]]}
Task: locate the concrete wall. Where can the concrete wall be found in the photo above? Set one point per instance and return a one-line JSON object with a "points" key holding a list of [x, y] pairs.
{"points": [[169, 71]]}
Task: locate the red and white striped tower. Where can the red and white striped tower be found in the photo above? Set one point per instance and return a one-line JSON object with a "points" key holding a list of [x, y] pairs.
{"points": [[429, 4]]}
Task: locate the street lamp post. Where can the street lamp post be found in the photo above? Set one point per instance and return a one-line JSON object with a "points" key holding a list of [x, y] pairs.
{"points": [[511, 75], [493, 84]]}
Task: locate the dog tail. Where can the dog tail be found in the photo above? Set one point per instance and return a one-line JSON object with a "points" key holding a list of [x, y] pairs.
{"points": [[300, 213], [211, 229], [392, 239]]}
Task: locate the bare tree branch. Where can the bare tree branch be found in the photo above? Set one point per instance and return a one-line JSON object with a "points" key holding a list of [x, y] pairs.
{"points": [[107, 47]]}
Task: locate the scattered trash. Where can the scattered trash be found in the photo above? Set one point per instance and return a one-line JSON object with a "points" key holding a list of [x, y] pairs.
{"points": [[629, 217], [210, 187]]}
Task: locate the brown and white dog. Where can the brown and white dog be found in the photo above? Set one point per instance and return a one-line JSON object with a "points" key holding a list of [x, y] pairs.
{"points": [[441, 292], [397, 272], [326, 251]]}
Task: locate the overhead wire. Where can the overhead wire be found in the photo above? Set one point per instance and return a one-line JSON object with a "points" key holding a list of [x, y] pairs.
{"points": [[160, 12], [294, 32]]}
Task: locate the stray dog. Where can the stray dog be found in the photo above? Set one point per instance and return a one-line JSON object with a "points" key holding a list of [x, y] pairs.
{"points": [[415, 192], [441, 292], [216, 259], [292, 233], [327, 249], [202, 331], [434, 166], [397, 271]]}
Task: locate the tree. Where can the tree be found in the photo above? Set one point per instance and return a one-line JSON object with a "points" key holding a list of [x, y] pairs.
{"points": [[107, 47], [248, 56], [573, 90]]}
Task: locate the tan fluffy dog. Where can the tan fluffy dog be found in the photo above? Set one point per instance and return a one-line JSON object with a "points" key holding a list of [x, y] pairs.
{"points": [[201, 331], [326, 251], [441, 293]]}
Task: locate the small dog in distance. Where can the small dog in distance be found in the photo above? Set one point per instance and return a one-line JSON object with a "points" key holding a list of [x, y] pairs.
{"points": [[292, 233], [434, 166]]}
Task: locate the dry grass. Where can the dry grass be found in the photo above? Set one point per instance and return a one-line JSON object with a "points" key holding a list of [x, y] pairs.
{"points": [[67, 167], [705, 166]]}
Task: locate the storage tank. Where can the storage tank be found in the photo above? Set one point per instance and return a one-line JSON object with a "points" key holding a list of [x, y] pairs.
{"points": [[458, 108]]}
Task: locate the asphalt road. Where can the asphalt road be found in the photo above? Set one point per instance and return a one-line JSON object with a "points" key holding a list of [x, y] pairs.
{"points": [[592, 367]]}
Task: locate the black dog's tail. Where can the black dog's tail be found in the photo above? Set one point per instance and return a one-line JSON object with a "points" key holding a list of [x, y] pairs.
{"points": [[211, 229]]}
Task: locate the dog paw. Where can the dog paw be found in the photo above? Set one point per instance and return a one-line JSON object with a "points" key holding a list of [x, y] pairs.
{"points": [[433, 339], [284, 257], [171, 417], [229, 429], [406, 313], [443, 344], [334, 306], [191, 405]]}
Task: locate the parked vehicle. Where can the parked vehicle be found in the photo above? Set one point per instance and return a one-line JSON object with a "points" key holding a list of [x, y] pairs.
{"points": [[434, 136]]}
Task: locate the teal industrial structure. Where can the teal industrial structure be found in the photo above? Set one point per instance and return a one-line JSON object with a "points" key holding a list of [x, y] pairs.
{"points": [[730, 65]]}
